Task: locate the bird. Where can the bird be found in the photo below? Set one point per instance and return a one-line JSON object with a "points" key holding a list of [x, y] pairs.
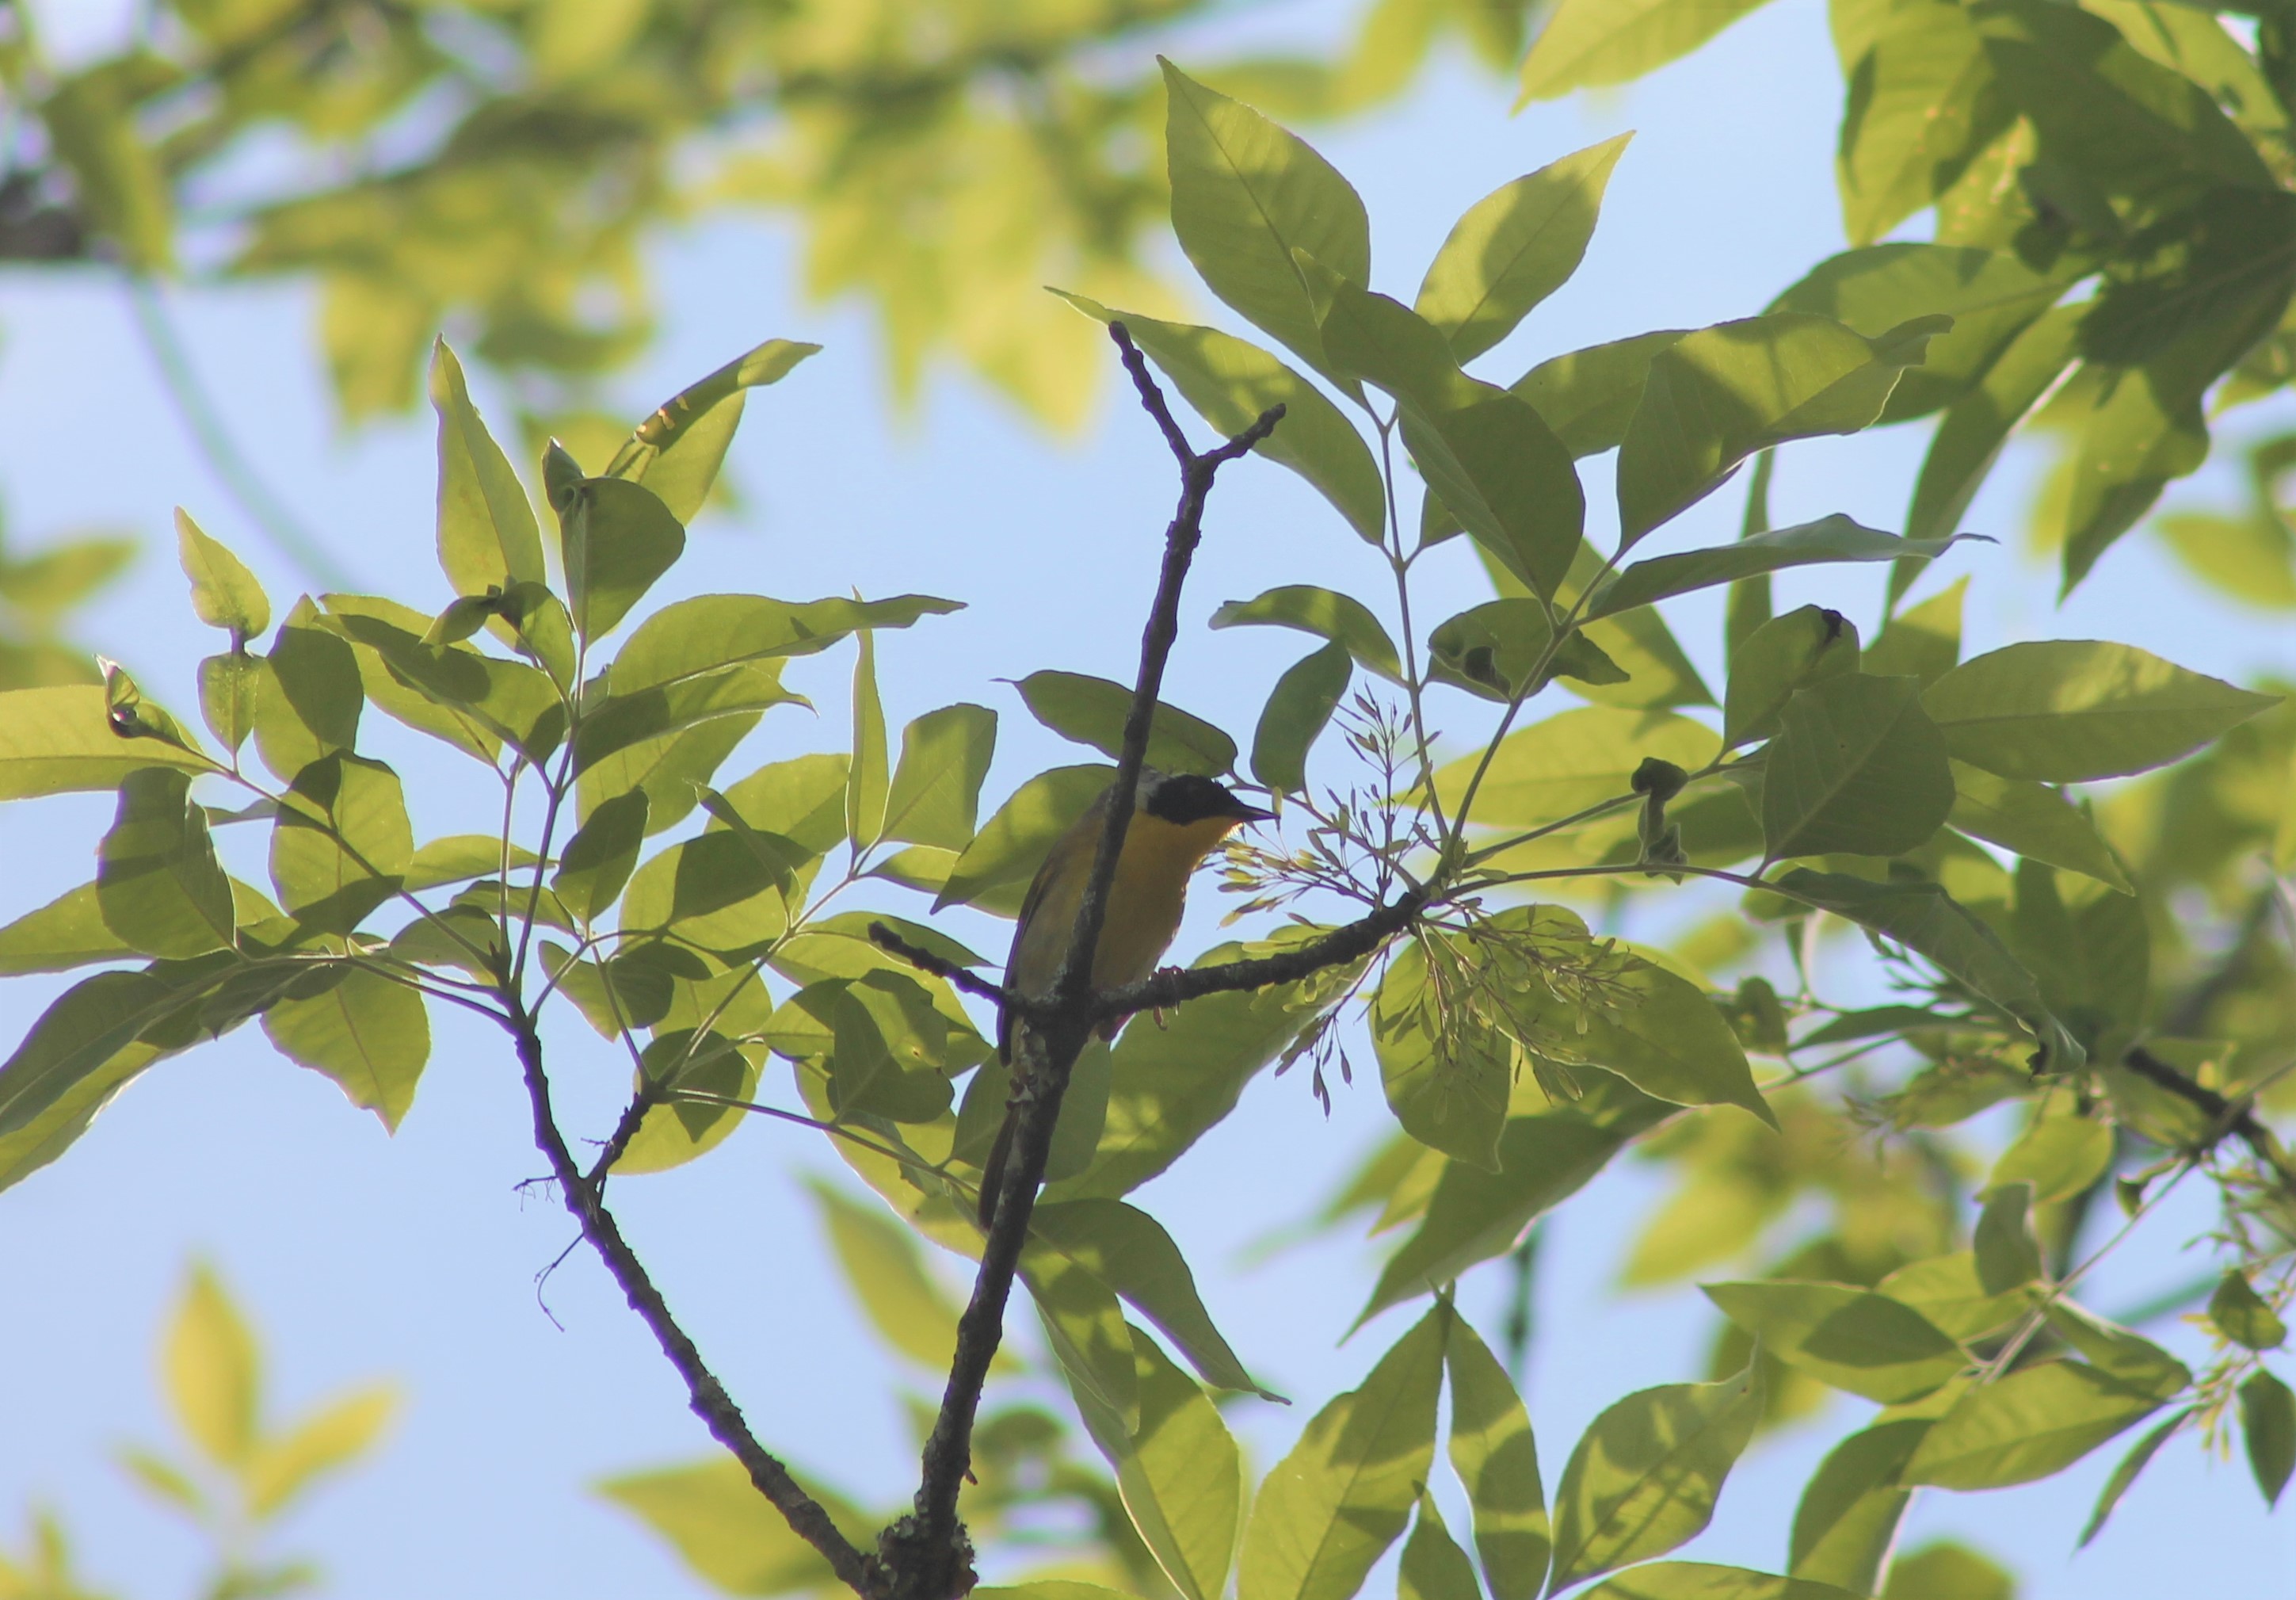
{"points": [[1177, 820]]}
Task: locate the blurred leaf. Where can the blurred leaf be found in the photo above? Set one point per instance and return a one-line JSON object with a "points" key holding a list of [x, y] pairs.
{"points": [[1947, 1291], [1644, 1476], [1245, 194], [2140, 1454], [2035, 821], [2243, 1317], [2268, 1426], [224, 593], [1493, 1452], [1946, 1571], [1856, 768], [2069, 711], [2060, 1156], [1847, 1518], [368, 1033], [2006, 1253], [1704, 1581], [1230, 382], [1968, 441], [1331, 1508], [291, 1462], [1341, 619], [1922, 641], [1514, 247], [1573, 760], [907, 1304], [730, 1535], [158, 883], [213, 1372], [1589, 43]]}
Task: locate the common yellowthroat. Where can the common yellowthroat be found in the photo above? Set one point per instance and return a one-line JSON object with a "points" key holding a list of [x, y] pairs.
{"points": [[1177, 820]]}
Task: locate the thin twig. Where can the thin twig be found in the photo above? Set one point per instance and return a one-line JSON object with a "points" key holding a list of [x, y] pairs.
{"points": [[963, 977], [928, 1554], [2225, 1116], [704, 1393]]}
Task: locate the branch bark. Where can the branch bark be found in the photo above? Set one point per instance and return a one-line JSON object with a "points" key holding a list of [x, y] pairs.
{"points": [[927, 1555], [704, 1393]]}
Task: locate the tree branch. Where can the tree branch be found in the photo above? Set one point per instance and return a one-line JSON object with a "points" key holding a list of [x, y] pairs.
{"points": [[705, 1394], [1350, 942], [2225, 1116], [927, 1555], [963, 977]]}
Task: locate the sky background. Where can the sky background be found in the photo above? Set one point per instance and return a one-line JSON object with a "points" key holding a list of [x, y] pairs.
{"points": [[415, 1257]]}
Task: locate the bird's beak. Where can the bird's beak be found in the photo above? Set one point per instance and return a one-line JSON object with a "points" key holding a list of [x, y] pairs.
{"points": [[1244, 813]]}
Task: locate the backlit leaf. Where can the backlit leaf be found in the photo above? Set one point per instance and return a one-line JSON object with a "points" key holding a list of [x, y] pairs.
{"points": [[2268, 1427], [158, 883], [677, 451], [597, 861], [213, 1371], [908, 1306], [615, 539], [2029, 1424], [333, 1437], [2245, 1317], [2035, 821], [487, 536], [730, 1535], [1498, 1461], [1296, 715], [1092, 710], [58, 739], [1851, 1337], [1341, 619], [1587, 43], [936, 789], [224, 593], [369, 1034], [1856, 768], [1834, 538]]}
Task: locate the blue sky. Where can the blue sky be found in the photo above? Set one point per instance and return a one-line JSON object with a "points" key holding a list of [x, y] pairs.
{"points": [[415, 1256]]}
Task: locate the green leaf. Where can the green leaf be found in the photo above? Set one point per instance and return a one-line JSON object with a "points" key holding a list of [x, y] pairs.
{"points": [[230, 688], [715, 891], [1447, 1085], [1923, 641], [1498, 467], [703, 636], [1334, 1505], [2006, 1253], [907, 1304], [1834, 538], [1476, 1216], [158, 883], [615, 539], [2243, 1317], [671, 1135], [803, 799], [1571, 761], [613, 724], [70, 1045], [1992, 297], [308, 699], [68, 931], [2120, 1353], [60, 739], [120, 182], [1326, 613], [1129, 1250], [677, 451], [889, 1051], [1926, 920], [1798, 651], [1922, 103], [1245, 194], [728, 1533], [1169, 1085], [460, 856], [2069, 711], [1644, 1476], [1514, 247], [1230, 382], [597, 861], [1084, 1326], [487, 536], [2140, 1455], [2028, 1425], [1434, 1567], [995, 869], [2060, 1156], [936, 789], [287, 1463], [342, 845], [2268, 1427], [486, 701], [1092, 710], [1492, 650], [368, 1033], [1847, 1518], [213, 1372], [1969, 439], [1947, 1291], [1589, 397], [1851, 1337], [1589, 43], [1856, 768], [1716, 396], [1498, 1461], [1704, 1581], [1296, 715], [670, 767], [224, 593], [2035, 821]]}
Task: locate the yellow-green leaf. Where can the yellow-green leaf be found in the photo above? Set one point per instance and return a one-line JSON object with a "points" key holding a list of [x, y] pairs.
{"points": [[213, 1372]]}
